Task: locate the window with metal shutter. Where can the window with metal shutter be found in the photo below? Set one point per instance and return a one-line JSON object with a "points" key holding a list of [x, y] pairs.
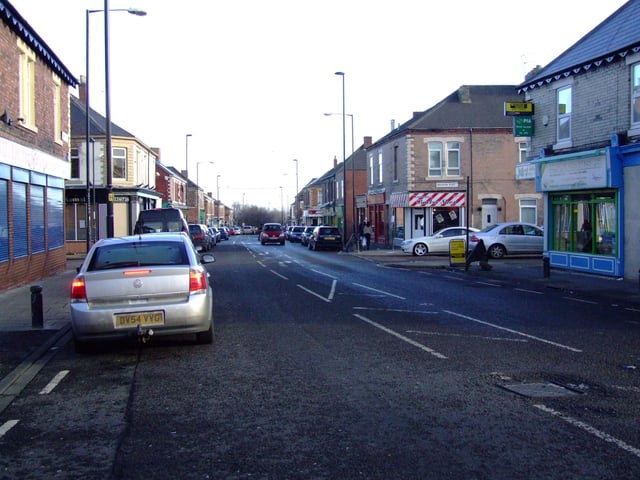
{"points": [[37, 219], [19, 216], [55, 217], [4, 221]]}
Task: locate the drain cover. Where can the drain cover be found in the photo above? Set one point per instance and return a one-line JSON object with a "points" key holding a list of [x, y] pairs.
{"points": [[535, 390]]}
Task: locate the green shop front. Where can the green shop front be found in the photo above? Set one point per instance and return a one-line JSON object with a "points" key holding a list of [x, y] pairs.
{"points": [[583, 211]]}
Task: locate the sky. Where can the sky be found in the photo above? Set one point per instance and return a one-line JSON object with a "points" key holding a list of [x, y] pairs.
{"points": [[251, 80]]}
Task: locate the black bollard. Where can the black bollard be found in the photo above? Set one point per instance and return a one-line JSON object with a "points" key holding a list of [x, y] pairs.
{"points": [[37, 316], [546, 269]]}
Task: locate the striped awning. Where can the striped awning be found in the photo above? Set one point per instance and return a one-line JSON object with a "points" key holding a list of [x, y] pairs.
{"points": [[437, 199], [399, 200]]}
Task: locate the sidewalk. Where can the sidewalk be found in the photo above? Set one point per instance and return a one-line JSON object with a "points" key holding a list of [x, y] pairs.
{"points": [[521, 270]]}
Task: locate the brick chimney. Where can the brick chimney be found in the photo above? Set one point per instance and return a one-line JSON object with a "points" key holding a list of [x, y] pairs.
{"points": [[366, 142], [335, 161], [82, 90]]}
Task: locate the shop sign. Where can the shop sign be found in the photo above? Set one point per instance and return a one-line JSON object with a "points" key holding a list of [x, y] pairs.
{"points": [[523, 126], [581, 173], [456, 251], [514, 109], [437, 199]]}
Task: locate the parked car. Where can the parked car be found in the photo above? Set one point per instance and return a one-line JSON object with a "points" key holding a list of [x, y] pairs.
{"points": [[200, 236], [325, 237], [161, 220], [248, 230], [295, 234], [509, 238], [215, 233], [146, 285], [272, 233], [236, 230], [436, 243], [224, 233], [304, 238]]}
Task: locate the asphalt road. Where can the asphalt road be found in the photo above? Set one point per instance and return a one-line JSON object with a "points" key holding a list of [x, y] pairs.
{"points": [[326, 366]]}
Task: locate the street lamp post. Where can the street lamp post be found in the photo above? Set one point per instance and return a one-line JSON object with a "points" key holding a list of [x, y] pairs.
{"points": [[297, 201], [344, 159], [132, 11], [107, 107]]}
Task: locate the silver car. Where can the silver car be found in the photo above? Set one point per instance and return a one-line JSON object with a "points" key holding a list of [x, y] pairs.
{"points": [[436, 243], [139, 286], [510, 238]]}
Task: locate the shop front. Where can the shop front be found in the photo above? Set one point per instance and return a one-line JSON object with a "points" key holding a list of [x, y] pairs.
{"points": [[377, 217], [583, 211], [424, 213]]}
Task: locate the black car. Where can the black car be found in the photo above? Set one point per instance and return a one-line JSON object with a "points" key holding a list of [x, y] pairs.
{"points": [[161, 220], [200, 236], [325, 237]]}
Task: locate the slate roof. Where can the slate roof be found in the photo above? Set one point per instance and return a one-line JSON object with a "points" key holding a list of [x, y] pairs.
{"points": [[470, 106], [97, 122], [611, 40]]}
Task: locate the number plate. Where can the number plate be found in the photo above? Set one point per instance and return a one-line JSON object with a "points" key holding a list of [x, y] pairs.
{"points": [[125, 320], [329, 238]]}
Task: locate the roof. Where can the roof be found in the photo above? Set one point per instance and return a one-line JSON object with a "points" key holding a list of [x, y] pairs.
{"points": [[23, 30], [97, 123], [611, 40], [470, 106]]}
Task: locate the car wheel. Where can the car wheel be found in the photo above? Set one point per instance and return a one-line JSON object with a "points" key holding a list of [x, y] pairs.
{"points": [[205, 337], [420, 249], [497, 251]]}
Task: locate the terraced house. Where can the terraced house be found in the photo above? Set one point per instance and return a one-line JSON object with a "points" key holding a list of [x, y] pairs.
{"points": [[586, 148], [34, 152]]}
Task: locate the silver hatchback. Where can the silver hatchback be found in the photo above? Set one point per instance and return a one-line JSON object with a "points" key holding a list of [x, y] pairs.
{"points": [[142, 285]]}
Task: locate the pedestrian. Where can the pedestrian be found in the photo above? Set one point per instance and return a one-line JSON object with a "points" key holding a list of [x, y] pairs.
{"points": [[367, 231]]}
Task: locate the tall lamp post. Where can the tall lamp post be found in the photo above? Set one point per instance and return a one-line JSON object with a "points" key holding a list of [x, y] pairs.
{"points": [[297, 201], [132, 11], [344, 159]]}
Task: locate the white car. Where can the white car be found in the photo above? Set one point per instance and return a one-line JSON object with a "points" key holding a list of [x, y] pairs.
{"points": [[436, 243], [510, 238]]}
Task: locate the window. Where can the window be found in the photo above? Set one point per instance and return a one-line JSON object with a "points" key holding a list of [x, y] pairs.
{"points": [[453, 159], [522, 152], [435, 159], [19, 216], [36, 199], [27, 85], [564, 114], [4, 221], [57, 110], [370, 169], [635, 94], [119, 162], [75, 163], [529, 210], [395, 163], [379, 167], [55, 217]]}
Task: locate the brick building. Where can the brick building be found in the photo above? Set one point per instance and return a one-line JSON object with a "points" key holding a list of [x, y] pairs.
{"points": [[34, 152]]}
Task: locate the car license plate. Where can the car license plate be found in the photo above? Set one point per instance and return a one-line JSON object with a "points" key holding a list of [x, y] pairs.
{"points": [[329, 238], [125, 320]]}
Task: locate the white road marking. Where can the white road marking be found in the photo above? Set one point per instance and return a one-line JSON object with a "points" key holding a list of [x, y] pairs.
{"points": [[261, 263], [6, 426], [532, 337], [322, 273], [528, 291], [395, 310], [441, 334], [592, 430], [580, 300], [401, 337], [379, 291], [279, 275], [55, 381], [314, 293], [489, 284], [333, 290]]}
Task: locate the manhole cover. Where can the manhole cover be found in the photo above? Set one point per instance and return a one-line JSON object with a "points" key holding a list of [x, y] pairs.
{"points": [[534, 390]]}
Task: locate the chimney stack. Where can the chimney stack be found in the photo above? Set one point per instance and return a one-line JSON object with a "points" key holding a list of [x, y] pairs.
{"points": [[82, 90]]}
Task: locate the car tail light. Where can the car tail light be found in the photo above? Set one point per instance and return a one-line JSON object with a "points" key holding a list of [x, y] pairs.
{"points": [[197, 281], [78, 290], [474, 238]]}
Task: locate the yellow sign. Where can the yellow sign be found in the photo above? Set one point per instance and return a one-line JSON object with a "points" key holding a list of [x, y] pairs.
{"points": [[518, 108], [457, 252]]}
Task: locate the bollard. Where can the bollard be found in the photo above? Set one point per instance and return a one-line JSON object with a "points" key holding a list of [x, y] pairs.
{"points": [[37, 316], [546, 270]]}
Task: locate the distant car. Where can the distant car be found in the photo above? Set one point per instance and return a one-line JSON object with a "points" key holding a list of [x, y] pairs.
{"points": [[295, 234], [272, 233], [236, 230], [161, 220], [224, 233], [215, 233], [304, 238], [141, 285], [438, 243], [509, 238], [200, 236], [325, 237], [248, 230]]}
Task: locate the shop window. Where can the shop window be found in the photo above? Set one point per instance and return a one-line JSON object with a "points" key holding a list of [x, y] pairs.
{"points": [[19, 217], [55, 217], [585, 223], [4, 221], [36, 199]]}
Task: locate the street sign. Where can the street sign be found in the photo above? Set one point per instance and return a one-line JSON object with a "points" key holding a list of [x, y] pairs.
{"points": [[513, 109], [457, 254], [523, 126]]}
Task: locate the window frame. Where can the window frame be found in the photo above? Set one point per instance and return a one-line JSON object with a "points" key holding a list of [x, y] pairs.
{"points": [[450, 172], [27, 84], [635, 94], [433, 169], [119, 162], [564, 114]]}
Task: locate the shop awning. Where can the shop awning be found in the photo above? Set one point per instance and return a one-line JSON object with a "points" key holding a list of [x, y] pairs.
{"points": [[437, 199]]}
